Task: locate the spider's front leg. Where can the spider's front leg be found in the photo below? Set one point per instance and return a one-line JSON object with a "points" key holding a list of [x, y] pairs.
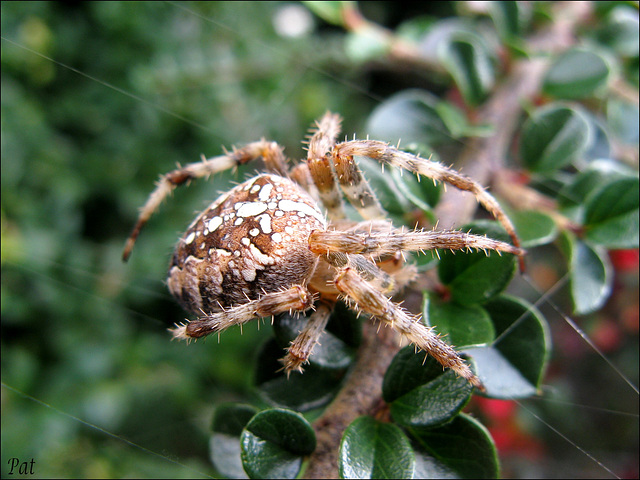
{"points": [[343, 153], [296, 298], [379, 244], [371, 301], [270, 152]]}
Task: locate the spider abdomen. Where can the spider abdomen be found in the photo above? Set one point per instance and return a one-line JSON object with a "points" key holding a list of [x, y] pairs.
{"points": [[250, 241]]}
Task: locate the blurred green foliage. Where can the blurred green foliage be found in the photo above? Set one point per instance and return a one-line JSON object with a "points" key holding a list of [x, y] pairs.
{"points": [[98, 99]]}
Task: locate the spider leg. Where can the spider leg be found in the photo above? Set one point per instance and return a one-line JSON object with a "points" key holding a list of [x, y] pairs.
{"points": [[270, 151], [379, 244], [355, 187], [301, 347], [370, 300], [322, 140], [386, 154], [296, 298]]}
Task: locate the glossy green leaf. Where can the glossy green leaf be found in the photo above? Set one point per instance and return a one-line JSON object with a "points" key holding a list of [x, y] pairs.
{"points": [[474, 278], [300, 391], [463, 448], [513, 365], [461, 325], [577, 73], [522, 335], [534, 228], [594, 177], [553, 137], [611, 214], [274, 442], [620, 31], [410, 116], [590, 274], [229, 420], [373, 449], [421, 392], [467, 60]]}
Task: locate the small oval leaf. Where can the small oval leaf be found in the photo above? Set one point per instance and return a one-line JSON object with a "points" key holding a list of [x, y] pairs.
{"points": [[554, 137], [373, 449], [611, 214], [463, 448], [461, 325], [534, 228], [512, 367], [590, 274], [577, 73], [273, 443], [467, 60]]}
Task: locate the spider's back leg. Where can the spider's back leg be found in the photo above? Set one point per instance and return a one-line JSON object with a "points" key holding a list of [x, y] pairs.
{"points": [[269, 151]]}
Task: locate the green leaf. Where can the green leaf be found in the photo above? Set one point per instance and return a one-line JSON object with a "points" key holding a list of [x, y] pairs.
{"points": [[506, 17], [273, 444], [467, 60], [411, 116], [420, 392], [623, 119], [522, 336], [611, 214], [513, 365], [590, 274], [534, 228], [597, 174], [229, 420], [474, 278], [373, 449], [463, 448], [620, 31], [462, 325], [577, 73], [554, 137], [300, 391]]}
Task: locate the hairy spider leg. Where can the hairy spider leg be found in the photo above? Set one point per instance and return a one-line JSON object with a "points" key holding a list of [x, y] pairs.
{"points": [[378, 244], [366, 299], [296, 298], [323, 139], [343, 153], [271, 152], [301, 347]]}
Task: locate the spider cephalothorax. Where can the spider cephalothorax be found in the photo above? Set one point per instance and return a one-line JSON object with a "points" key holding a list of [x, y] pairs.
{"points": [[266, 247]]}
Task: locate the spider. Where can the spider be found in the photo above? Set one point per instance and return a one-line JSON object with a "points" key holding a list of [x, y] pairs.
{"points": [[266, 247]]}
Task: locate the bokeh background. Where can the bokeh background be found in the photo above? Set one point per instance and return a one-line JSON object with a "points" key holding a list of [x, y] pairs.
{"points": [[98, 99]]}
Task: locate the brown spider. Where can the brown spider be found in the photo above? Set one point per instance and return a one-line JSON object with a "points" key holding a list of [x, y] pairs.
{"points": [[266, 247]]}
